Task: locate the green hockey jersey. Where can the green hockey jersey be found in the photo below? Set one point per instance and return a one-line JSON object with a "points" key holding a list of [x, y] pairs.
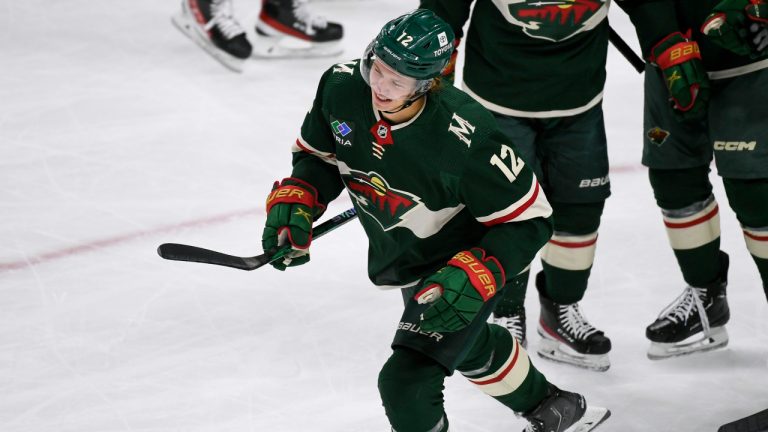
{"points": [[531, 58], [655, 19], [444, 181]]}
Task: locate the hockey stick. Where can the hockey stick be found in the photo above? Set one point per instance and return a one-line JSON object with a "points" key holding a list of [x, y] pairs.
{"points": [[757, 422], [182, 252], [625, 50]]}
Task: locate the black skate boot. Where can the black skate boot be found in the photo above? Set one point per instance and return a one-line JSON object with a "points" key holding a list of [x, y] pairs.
{"points": [[563, 411], [211, 25], [514, 322], [567, 336], [694, 322], [287, 28]]}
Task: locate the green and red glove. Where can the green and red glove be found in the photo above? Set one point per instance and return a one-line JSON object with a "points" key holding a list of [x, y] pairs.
{"points": [[739, 26], [679, 59], [459, 290], [291, 208]]}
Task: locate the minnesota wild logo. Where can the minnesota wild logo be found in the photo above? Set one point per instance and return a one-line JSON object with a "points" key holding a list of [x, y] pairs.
{"points": [[375, 197], [553, 20], [657, 135]]}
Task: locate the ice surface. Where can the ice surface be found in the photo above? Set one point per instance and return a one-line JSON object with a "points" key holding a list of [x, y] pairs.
{"points": [[118, 134]]}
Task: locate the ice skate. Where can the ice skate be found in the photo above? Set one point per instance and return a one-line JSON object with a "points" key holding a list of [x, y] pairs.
{"points": [[694, 322], [567, 336], [212, 26], [563, 411], [515, 323], [287, 28]]}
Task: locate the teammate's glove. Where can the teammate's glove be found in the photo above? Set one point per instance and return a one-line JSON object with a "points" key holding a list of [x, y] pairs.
{"points": [[291, 207], [739, 26], [459, 290], [679, 59], [449, 71]]}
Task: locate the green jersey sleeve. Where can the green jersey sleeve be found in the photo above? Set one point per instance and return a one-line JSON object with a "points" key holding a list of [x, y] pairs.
{"points": [[314, 152], [502, 193]]}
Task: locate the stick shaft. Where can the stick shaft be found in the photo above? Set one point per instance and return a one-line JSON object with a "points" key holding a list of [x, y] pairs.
{"points": [[189, 253]]}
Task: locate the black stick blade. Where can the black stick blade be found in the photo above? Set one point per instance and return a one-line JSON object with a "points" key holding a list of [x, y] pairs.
{"points": [[757, 422], [182, 252]]}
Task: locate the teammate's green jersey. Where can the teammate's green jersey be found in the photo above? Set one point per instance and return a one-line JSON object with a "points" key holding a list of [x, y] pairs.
{"points": [[655, 19], [531, 58], [444, 181]]}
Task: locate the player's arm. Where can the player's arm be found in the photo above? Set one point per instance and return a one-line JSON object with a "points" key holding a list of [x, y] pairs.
{"points": [[740, 26], [502, 192], [297, 201], [314, 151], [653, 20], [673, 51]]}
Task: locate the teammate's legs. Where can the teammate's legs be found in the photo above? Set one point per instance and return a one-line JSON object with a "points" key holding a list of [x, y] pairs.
{"points": [[749, 199], [738, 136], [573, 168], [678, 156]]}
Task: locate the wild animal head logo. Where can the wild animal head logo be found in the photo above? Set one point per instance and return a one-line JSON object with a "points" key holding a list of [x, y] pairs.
{"points": [[376, 198], [553, 20], [657, 135]]}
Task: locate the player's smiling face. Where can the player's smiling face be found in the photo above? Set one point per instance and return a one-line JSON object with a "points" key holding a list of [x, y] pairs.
{"points": [[389, 89]]}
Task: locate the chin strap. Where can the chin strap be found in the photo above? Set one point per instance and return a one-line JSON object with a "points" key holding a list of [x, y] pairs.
{"points": [[407, 103]]}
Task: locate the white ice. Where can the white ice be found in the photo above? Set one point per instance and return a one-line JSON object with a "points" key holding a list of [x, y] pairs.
{"points": [[118, 134]]}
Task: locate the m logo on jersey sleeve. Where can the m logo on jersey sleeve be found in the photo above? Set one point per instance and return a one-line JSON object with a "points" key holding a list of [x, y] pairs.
{"points": [[553, 20]]}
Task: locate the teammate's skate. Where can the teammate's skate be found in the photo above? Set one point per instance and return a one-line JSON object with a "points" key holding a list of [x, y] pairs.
{"points": [[567, 336], [287, 28], [563, 411], [694, 322], [515, 323], [211, 25]]}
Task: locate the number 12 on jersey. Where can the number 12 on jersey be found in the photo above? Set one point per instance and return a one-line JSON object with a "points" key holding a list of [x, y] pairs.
{"points": [[512, 167]]}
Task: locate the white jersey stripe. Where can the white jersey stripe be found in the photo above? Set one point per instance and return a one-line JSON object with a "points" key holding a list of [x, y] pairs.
{"points": [[532, 205], [302, 145]]}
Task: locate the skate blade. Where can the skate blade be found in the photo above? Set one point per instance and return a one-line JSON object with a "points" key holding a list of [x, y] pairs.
{"points": [[592, 418], [718, 338], [192, 31], [557, 351], [277, 47]]}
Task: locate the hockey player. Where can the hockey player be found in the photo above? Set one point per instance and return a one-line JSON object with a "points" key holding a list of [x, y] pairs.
{"points": [[540, 68], [703, 102], [452, 215], [285, 28]]}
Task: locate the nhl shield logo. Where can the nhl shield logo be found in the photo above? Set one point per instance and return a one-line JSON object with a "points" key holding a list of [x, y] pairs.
{"points": [[382, 134], [553, 20]]}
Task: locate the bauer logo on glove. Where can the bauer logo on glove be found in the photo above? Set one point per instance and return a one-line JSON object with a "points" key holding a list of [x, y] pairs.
{"points": [[459, 290], [292, 206]]}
